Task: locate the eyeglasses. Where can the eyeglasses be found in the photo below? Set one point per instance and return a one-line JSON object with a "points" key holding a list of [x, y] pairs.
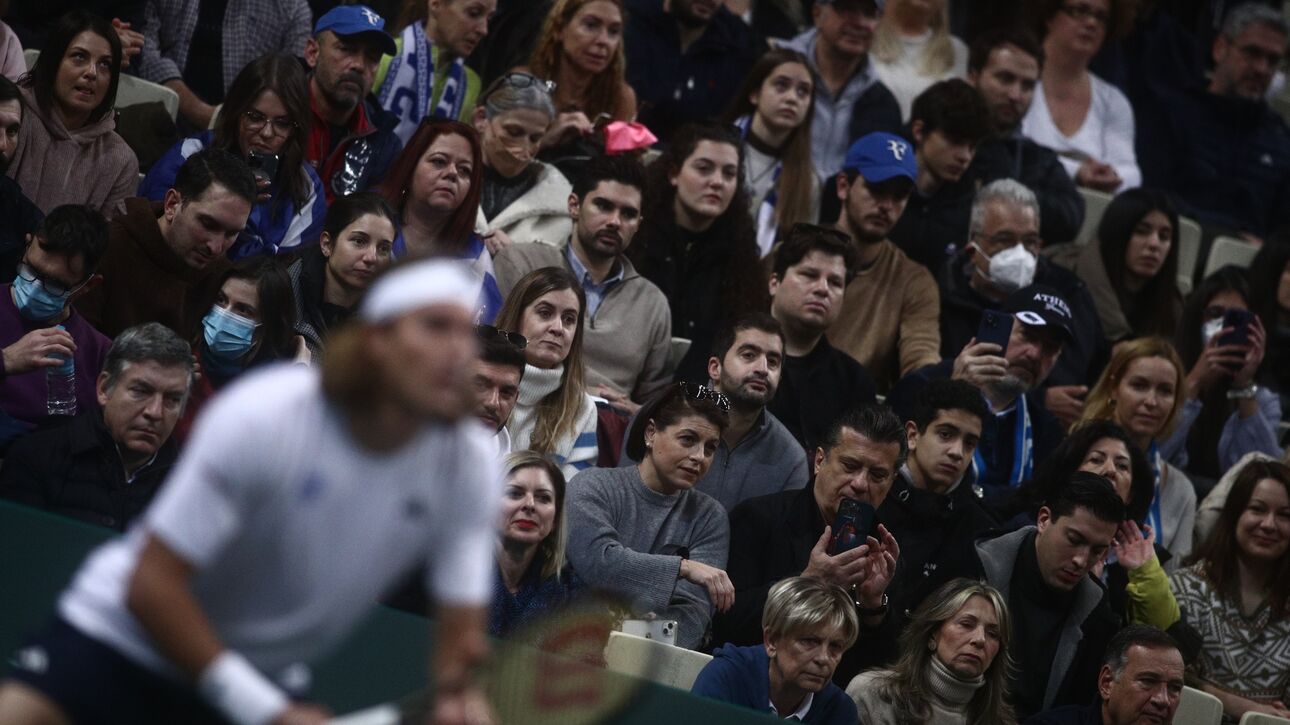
{"points": [[57, 289], [255, 121], [488, 332], [699, 392], [518, 80], [1079, 11]]}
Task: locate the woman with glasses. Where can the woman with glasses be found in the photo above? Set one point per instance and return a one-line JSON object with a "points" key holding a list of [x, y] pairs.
{"points": [[435, 185], [252, 323], [264, 120], [522, 199], [329, 279], [773, 111], [68, 150], [1087, 121], [1225, 414], [643, 533], [581, 49], [553, 414]]}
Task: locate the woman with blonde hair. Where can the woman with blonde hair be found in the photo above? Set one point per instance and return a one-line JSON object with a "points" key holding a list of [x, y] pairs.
{"points": [[913, 48], [954, 666], [773, 112], [553, 415], [581, 49], [1142, 389], [532, 575]]}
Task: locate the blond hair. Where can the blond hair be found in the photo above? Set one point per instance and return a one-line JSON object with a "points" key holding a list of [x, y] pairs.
{"points": [[802, 604], [939, 56], [552, 549], [1101, 406]]}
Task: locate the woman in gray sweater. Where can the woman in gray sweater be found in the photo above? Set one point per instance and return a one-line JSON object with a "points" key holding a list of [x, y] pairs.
{"points": [[643, 533]]}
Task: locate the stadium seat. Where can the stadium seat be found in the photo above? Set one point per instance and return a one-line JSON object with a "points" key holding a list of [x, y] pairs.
{"points": [[680, 346], [1095, 203], [131, 90], [653, 660], [1188, 253], [1229, 250], [1256, 718], [1198, 708]]}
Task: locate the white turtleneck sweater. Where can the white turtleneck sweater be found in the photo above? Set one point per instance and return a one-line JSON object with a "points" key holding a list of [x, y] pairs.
{"points": [[949, 701], [573, 452]]}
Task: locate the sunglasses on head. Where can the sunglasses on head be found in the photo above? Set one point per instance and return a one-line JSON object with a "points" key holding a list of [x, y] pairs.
{"points": [[488, 332], [699, 392]]}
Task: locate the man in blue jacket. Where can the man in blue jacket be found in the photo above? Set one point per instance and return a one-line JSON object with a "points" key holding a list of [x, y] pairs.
{"points": [[806, 626]]}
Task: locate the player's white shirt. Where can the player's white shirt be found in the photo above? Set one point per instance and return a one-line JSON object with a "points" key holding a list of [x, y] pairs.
{"points": [[294, 530]]}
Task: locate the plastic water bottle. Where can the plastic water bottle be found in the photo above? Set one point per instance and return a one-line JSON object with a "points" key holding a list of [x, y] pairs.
{"points": [[60, 383]]}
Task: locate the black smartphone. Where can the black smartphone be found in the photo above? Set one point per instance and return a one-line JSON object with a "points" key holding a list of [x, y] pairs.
{"points": [[851, 526], [995, 327], [1239, 320], [264, 166]]}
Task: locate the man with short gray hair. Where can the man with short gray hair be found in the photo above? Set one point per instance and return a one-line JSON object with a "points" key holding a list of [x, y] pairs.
{"points": [[1141, 681], [1002, 256], [1220, 149], [105, 466]]}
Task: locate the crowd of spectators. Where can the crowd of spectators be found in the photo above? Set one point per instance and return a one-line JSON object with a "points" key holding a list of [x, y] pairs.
{"points": [[790, 325]]}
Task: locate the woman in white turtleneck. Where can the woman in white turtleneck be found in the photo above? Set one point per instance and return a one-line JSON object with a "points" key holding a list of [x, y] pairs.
{"points": [[953, 670], [553, 415]]}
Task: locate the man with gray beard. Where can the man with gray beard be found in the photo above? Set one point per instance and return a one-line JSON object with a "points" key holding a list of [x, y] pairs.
{"points": [[1022, 430]]}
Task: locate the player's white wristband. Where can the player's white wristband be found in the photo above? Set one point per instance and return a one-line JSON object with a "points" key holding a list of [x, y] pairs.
{"points": [[240, 692]]}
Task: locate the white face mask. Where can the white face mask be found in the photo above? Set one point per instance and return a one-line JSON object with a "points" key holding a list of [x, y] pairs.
{"points": [[1210, 330], [1011, 269]]}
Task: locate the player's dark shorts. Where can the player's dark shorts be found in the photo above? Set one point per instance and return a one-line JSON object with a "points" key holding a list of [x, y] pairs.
{"points": [[94, 684]]}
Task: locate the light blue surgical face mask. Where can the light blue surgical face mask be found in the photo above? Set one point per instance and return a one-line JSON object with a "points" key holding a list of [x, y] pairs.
{"points": [[34, 301], [228, 336]]}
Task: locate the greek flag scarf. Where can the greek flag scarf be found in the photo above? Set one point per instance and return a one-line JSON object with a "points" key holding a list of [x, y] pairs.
{"points": [[409, 84]]}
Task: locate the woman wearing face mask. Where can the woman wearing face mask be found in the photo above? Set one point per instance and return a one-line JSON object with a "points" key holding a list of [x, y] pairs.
{"points": [[697, 241], [773, 110], [1236, 594], [1270, 289], [533, 577], [329, 279], [643, 533], [1135, 579], [68, 150], [523, 200], [913, 48], [265, 120], [954, 666], [1132, 269], [553, 414], [435, 186], [1142, 391], [252, 323], [427, 77], [1239, 416]]}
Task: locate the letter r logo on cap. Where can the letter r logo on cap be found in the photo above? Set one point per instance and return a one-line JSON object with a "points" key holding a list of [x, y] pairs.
{"points": [[897, 148], [371, 17]]}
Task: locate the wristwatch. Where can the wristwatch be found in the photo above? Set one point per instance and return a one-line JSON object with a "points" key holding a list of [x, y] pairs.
{"points": [[878, 611], [1245, 393]]}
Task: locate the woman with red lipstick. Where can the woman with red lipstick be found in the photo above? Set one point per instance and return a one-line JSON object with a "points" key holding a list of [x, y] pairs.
{"points": [[1131, 269], [1236, 594], [774, 110], [1142, 390], [581, 49], [532, 575], [643, 533], [954, 666], [68, 149]]}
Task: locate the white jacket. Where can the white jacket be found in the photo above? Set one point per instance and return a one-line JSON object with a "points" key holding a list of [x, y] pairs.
{"points": [[541, 215]]}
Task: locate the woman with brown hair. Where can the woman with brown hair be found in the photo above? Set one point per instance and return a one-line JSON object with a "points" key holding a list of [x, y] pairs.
{"points": [[265, 120], [435, 185], [773, 110], [553, 414], [1236, 594], [581, 49]]}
